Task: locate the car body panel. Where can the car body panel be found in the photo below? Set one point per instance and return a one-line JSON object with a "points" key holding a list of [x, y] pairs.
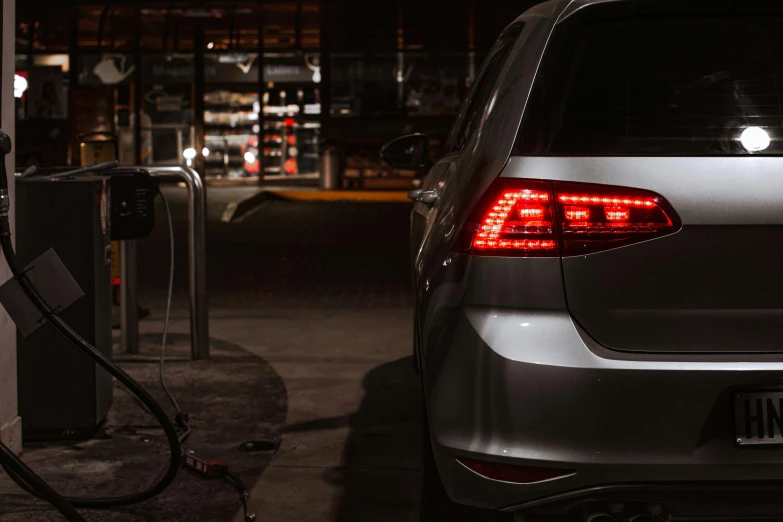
{"points": [[522, 383], [513, 351], [482, 160], [715, 286]]}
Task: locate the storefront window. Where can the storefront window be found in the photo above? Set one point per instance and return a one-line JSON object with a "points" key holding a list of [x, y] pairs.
{"points": [[434, 87], [366, 87], [167, 108], [261, 117], [404, 84], [169, 29], [292, 113], [279, 26], [153, 28], [231, 116], [347, 28], [232, 27], [106, 69], [380, 26], [42, 109], [120, 30], [46, 95], [89, 24], [310, 26], [106, 27], [111, 77], [51, 31]]}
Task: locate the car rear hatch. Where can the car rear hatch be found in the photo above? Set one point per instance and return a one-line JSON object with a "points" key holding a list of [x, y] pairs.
{"points": [[687, 107]]}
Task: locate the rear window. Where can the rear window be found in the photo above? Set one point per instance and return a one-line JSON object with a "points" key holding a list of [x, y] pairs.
{"points": [[687, 86]]}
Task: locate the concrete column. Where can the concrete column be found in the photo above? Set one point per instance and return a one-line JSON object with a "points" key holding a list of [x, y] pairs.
{"points": [[10, 423]]}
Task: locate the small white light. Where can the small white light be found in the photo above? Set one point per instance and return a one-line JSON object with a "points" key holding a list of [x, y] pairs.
{"points": [[20, 85], [250, 157], [210, 45], [317, 75], [189, 153], [755, 139], [205, 152]]}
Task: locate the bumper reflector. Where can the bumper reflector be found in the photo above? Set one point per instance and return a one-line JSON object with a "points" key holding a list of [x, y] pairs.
{"points": [[514, 474]]}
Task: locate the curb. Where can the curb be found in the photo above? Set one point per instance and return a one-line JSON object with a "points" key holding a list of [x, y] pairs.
{"points": [[236, 211]]}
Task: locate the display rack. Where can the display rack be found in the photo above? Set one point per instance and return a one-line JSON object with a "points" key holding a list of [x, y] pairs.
{"points": [[291, 132], [231, 134]]}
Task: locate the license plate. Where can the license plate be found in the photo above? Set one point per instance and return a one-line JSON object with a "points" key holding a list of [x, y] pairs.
{"points": [[758, 418]]}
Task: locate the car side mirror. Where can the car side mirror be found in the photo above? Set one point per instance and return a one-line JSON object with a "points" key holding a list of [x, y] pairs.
{"points": [[410, 152]]}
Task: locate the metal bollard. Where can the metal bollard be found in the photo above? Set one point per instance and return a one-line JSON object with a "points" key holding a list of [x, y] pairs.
{"points": [[197, 261], [129, 302]]}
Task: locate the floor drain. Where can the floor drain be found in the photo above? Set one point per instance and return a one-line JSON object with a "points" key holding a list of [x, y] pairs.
{"points": [[259, 445]]}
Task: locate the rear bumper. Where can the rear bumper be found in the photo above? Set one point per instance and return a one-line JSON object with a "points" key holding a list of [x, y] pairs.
{"points": [[530, 388], [691, 501]]}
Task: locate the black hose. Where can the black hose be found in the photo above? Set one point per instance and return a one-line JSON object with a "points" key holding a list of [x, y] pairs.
{"points": [[108, 165], [115, 371]]}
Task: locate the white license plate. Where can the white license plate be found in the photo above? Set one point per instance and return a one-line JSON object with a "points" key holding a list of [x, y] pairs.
{"points": [[758, 418]]}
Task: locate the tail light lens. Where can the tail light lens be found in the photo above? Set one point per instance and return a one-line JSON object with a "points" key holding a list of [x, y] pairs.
{"points": [[531, 218], [511, 473], [515, 217]]}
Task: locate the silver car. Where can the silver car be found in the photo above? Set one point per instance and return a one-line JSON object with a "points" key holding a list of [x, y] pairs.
{"points": [[598, 263]]}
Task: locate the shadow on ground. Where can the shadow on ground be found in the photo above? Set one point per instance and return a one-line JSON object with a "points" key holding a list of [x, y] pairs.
{"points": [[380, 478]]}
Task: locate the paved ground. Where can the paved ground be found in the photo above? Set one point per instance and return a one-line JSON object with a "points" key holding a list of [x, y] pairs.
{"points": [[232, 398], [320, 290], [291, 254]]}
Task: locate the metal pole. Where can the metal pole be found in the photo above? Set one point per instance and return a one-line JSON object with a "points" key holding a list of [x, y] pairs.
{"points": [[197, 255], [129, 303]]}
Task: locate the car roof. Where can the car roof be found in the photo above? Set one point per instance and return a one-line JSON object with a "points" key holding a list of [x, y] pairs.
{"points": [[559, 10], [555, 9]]}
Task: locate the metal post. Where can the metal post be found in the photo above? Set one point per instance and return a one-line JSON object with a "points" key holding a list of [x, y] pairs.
{"points": [[129, 303], [197, 255]]}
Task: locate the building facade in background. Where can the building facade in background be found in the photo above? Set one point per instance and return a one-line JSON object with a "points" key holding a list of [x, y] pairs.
{"points": [[247, 91]]}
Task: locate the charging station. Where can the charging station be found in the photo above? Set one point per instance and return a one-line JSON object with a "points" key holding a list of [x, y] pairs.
{"points": [[42, 291], [62, 393]]}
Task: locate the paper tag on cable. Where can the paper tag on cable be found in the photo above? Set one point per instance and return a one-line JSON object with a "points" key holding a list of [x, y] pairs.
{"points": [[55, 285]]}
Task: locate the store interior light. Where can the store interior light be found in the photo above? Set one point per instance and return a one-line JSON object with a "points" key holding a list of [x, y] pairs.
{"points": [[250, 157], [205, 152], [317, 75], [210, 45], [189, 153], [20, 85]]}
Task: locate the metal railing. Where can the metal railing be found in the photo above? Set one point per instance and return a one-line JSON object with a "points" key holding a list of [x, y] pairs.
{"points": [[197, 267]]}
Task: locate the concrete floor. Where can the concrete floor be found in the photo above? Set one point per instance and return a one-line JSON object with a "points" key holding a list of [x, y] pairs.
{"points": [[232, 398], [320, 291], [350, 447]]}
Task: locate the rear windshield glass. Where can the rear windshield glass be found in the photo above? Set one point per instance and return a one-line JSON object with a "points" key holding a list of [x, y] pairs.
{"points": [[659, 87]]}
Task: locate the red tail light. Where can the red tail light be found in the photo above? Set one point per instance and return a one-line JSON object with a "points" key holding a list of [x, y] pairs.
{"points": [[545, 219], [511, 473]]}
